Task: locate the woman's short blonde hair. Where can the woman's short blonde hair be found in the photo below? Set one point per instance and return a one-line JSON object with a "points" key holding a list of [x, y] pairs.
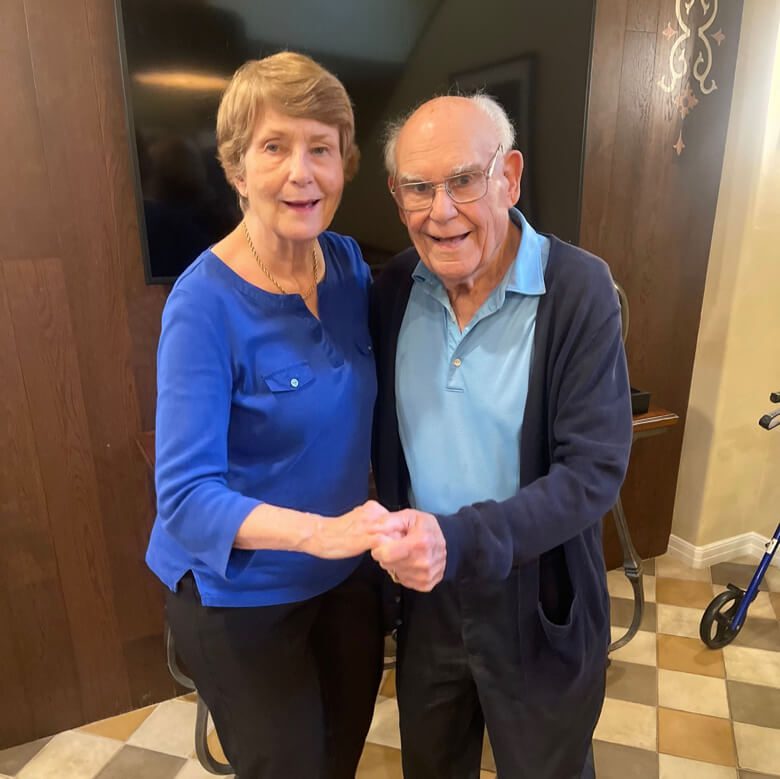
{"points": [[292, 84]]}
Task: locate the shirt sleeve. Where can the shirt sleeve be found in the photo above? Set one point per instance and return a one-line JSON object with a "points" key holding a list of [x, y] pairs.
{"points": [[591, 431], [194, 386]]}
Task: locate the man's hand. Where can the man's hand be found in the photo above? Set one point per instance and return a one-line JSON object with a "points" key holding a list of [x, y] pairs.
{"points": [[417, 559], [365, 527]]}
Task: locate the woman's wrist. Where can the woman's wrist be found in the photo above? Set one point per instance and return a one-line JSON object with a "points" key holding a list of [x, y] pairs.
{"points": [[273, 527]]}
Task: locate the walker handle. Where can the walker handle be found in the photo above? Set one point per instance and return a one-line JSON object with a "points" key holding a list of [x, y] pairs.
{"points": [[770, 421], [774, 397]]}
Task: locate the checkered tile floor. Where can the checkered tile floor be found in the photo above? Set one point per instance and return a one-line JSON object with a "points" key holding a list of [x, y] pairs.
{"points": [[673, 707]]}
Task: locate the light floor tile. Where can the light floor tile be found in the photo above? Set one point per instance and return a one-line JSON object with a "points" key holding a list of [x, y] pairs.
{"points": [[682, 592], [672, 767], [630, 724], [615, 761], [758, 748], [387, 688], [169, 729], [693, 692], [696, 737], [620, 587], [774, 598], [678, 620], [71, 755], [772, 575], [378, 762], [120, 727], [640, 649], [757, 666], [676, 653], [384, 727], [671, 568]]}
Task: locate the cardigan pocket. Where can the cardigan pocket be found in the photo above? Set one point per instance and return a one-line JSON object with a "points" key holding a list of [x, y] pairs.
{"points": [[290, 379]]}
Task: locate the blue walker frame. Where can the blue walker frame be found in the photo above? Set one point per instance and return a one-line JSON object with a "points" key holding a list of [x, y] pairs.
{"points": [[728, 610]]}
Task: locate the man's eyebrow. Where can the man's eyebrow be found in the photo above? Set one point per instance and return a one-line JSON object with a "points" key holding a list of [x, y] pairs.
{"points": [[412, 178]]}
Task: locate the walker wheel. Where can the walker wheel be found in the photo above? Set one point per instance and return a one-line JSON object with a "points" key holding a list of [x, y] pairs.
{"points": [[714, 628]]}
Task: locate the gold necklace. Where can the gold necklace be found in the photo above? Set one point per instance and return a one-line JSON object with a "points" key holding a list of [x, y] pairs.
{"points": [[270, 275]]}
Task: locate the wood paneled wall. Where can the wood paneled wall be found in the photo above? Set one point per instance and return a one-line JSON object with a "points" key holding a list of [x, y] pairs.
{"points": [[80, 615], [649, 212]]}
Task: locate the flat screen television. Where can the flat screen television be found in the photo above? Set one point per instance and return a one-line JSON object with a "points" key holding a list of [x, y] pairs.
{"points": [[178, 55]]}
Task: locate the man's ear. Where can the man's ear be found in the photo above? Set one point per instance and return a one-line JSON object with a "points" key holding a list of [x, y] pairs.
{"points": [[513, 173], [401, 212]]}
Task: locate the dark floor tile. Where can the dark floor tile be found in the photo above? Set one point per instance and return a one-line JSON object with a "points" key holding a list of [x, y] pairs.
{"points": [[614, 761], [131, 761], [774, 597], [622, 612], [14, 759], [735, 573], [754, 704], [632, 682], [760, 634]]}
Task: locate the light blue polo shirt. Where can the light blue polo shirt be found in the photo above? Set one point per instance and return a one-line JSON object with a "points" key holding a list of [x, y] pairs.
{"points": [[461, 395]]}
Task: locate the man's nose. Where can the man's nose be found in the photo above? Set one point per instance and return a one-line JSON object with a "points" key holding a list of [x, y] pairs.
{"points": [[442, 207]]}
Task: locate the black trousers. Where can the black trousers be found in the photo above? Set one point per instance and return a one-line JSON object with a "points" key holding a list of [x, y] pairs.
{"points": [[459, 672], [291, 688]]}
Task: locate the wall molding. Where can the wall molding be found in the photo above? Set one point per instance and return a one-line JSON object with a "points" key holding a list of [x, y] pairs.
{"points": [[723, 551]]}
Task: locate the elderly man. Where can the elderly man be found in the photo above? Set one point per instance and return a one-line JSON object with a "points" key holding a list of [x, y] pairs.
{"points": [[503, 428]]}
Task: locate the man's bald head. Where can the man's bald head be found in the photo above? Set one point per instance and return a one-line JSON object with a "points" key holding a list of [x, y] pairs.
{"points": [[481, 109]]}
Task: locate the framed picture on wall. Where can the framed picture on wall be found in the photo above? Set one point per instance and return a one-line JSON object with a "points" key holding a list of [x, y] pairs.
{"points": [[511, 83]]}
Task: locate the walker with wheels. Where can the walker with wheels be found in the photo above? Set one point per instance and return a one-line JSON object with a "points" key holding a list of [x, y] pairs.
{"points": [[725, 616]]}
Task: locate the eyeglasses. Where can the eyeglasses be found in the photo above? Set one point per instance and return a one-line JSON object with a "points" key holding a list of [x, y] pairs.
{"points": [[463, 187]]}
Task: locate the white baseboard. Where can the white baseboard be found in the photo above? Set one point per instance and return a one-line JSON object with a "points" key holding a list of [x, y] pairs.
{"points": [[747, 544]]}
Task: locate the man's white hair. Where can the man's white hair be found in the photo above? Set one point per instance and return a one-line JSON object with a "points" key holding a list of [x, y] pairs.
{"points": [[505, 132]]}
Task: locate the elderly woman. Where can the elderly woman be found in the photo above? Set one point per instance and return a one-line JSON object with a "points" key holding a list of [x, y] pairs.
{"points": [[266, 389]]}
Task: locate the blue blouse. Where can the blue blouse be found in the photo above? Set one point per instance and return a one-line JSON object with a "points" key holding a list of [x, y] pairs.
{"points": [[258, 401]]}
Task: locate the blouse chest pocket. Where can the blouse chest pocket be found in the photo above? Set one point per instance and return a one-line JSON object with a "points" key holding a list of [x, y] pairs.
{"points": [[290, 378], [364, 346]]}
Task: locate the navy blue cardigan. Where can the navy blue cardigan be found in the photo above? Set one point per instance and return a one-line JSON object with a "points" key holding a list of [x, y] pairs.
{"points": [[574, 451]]}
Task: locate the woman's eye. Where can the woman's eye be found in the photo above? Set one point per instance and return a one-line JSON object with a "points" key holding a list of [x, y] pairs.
{"points": [[271, 147], [320, 151]]}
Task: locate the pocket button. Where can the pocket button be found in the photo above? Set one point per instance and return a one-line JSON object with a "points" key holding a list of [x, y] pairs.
{"points": [[294, 383]]}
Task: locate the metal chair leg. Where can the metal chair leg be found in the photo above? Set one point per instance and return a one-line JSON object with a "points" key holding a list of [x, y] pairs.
{"points": [[206, 759], [202, 750], [632, 567]]}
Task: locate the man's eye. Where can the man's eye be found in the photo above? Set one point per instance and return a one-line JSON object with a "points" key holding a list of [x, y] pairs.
{"points": [[420, 188], [462, 181]]}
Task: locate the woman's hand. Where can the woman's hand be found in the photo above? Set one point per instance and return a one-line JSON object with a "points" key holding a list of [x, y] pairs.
{"points": [[365, 527]]}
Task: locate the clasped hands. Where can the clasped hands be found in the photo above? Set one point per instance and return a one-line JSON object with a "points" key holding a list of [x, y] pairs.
{"points": [[408, 544]]}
